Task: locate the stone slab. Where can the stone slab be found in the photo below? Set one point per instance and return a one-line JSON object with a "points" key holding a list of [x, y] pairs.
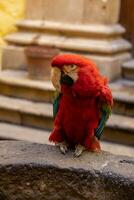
{"points": [[67, 9], [119, 129], [108, 54], [36, 171], [22, 38], [16, 83], [129, 64], [16, 132], [88, 30], [9, 55], [29, 134], [101, 12], [91, 45], [86, 11], [128, 70], [34, 10], [25, 112], [39, 115], [123, 91]]}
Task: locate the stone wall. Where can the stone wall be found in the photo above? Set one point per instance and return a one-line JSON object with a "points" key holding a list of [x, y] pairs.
{"points": [[75, 11], [32, 171]]}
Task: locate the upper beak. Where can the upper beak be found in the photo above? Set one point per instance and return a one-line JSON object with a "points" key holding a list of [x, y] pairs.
{"points": [[56, 77]]}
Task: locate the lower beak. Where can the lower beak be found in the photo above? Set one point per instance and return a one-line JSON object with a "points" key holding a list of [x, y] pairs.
{"points": [[65, 79]]}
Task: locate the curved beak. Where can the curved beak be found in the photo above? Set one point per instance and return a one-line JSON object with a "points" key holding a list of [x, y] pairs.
{"points": [[55, 78]]}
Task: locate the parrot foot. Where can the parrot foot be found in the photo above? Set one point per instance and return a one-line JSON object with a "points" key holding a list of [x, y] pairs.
{"points": [[63, 147], [79, 149]]}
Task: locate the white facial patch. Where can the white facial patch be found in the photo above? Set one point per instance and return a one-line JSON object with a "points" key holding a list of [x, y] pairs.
{"points": [[72, 71]]}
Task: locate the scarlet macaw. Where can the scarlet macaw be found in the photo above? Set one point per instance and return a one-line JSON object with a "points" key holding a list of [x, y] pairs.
{"points": [[82, 106]]}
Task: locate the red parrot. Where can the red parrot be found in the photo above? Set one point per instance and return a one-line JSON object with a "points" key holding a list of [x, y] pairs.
{"points": [[83, 105]]}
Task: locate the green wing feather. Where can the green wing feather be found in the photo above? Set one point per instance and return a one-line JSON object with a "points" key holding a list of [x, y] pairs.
{"points": [[105, 113], [56, 103]]}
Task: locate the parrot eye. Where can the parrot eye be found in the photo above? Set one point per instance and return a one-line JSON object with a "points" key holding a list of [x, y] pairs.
{"points": [[73, 67]]}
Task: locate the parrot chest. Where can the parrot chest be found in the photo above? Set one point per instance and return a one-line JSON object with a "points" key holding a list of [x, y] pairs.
{"points": [[78, 115]]}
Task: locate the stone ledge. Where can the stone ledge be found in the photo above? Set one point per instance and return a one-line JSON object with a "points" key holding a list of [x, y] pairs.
{"points": [[33, 171], [88, 30]]}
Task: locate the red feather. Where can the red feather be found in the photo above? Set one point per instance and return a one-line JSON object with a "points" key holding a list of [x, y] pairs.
{"points": [[79, 110]]}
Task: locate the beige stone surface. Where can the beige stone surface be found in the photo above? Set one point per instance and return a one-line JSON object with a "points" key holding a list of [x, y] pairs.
{"points": [[87, 26], [70, 11], [122, 122], [15, 83], [41, 122], [101, 11], [94, 45], [25, 106], [86, 30], [129, 64], [20, 78], [9, 55], [86, 11], [123, 91], [9, 116], [110, 66], [25, 112], [22, 38], [34, 9], [128, 70]]}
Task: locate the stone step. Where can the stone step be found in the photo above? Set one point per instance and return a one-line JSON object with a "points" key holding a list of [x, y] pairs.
{"points": [[103, 46], [24, 112], [18, 132], [15, 132], [16, 83], [90, 30], [39, 115], [128, 70], [120, 129], [123, 93]]}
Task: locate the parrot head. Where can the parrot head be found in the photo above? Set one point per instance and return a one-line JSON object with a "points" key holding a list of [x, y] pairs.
{"points": [[67, 69]]}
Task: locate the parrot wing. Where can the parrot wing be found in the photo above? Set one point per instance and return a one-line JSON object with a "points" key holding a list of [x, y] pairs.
{"points": [[105, 109], [56, 103], [105, 113]]}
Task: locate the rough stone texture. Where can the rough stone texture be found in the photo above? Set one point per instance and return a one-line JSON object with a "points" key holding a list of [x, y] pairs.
{"points": [[34, 10], [90, 45], [86, 11], [15, 83], [31, 171], [128, 70], [88, 30], [123, 93], [26, 112], [9, 55], [105, 7], [119, 129]]}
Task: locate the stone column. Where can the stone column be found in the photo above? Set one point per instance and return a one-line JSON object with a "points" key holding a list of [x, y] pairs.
{"points": [[87, 27]]}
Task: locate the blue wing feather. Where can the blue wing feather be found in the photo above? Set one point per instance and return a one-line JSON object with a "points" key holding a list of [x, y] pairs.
{"points": [[56, 104], [106, 110]]}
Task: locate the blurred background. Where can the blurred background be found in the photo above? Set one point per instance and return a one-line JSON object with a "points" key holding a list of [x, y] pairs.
{"points": [[32, 32]]}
